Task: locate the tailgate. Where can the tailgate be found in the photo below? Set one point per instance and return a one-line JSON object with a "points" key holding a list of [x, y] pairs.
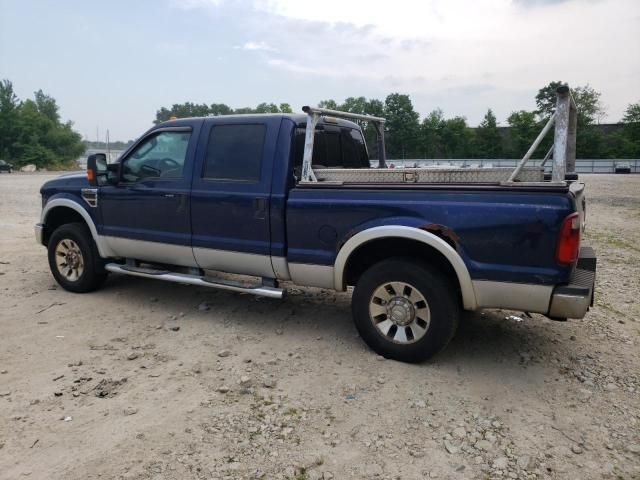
{"points": [[577, 190]]}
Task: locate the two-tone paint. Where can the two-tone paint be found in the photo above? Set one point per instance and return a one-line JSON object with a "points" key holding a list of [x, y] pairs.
{"points": [[500, 242]]}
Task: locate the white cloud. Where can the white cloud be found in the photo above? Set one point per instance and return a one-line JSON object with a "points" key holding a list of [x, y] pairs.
{"points": [[259, 46], [486, 53], [193, 4], [442, 46]]}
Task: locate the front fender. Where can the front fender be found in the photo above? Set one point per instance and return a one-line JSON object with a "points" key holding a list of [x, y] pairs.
{"points": [[66, 202]]}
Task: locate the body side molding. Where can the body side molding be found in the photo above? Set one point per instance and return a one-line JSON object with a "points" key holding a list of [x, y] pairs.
{"points": [[400, 231], [103, 249]]}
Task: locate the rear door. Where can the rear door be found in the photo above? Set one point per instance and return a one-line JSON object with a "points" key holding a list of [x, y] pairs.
{"points": [[230, 195]]}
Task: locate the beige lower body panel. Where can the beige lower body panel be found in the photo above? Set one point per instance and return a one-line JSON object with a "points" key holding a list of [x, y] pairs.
{"points": [[513, 296], [234, 262], [151, 251], [312, 275], [185, 256]]}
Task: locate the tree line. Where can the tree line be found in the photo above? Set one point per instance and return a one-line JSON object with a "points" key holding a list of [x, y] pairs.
{"points": [[31, 131], [439, 137]]}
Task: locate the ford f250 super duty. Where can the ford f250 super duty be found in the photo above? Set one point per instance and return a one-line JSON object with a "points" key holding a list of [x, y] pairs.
{"points": [[287, 197]]}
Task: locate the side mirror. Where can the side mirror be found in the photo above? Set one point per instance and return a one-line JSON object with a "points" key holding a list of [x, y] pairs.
{"points": [[97, 169], [113, 173]]}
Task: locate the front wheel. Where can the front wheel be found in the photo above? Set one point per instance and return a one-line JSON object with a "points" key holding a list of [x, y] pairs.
{"points": [[73, 258], [405, 310]]}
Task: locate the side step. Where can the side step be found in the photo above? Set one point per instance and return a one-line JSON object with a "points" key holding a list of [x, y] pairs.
{"points": [[202, 281]]}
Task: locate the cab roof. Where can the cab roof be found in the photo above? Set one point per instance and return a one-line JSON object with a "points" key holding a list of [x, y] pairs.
{"points": [[300, 119]]}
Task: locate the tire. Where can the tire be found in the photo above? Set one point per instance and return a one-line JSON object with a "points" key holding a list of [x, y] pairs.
{"points": [[83, 273], [412, 321]]}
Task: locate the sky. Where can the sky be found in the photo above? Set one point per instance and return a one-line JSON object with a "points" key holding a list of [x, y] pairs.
{"points": [[111, 65]]}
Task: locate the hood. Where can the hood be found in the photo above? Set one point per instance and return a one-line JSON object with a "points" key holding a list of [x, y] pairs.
{"points": [[70, 180]]}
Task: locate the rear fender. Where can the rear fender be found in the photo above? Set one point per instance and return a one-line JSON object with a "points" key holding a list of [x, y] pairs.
{"points": [[411, 233]]}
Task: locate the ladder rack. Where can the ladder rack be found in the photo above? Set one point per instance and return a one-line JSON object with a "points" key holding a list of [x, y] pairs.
{"points": [[563, 153]]}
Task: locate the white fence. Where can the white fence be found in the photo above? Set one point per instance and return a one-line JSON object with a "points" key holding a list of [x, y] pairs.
{"points": [[582, 165]]}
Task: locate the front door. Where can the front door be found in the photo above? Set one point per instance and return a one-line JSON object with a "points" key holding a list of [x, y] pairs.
{"points": [[146, 216], [230, 195]]}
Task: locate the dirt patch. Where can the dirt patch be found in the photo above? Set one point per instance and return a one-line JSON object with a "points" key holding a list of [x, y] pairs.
{"points": [[105, 384]]}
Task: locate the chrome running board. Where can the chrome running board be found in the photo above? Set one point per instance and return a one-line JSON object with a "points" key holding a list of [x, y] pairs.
{"points": [[202, 281]]}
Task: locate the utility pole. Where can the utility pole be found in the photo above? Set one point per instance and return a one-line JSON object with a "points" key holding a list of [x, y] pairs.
{"points": [[108, 150]]}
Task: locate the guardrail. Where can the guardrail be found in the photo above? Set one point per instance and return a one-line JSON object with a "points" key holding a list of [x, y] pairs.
{"points": [[582, 165]]}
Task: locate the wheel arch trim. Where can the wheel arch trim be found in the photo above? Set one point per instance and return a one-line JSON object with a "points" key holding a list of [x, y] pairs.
{"points": [[409, 233], [103, 248]]}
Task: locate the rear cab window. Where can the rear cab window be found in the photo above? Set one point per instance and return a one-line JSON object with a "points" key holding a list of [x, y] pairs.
{"points": [[333, 147]]}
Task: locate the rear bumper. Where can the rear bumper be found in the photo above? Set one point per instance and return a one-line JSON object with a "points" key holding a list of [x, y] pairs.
{"points": [[574, 300], [39, 230]]}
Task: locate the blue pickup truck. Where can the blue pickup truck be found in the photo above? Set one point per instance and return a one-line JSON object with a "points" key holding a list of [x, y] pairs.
{"points": [[293, 198]]}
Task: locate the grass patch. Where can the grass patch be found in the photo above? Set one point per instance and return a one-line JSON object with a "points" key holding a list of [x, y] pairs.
{"points": [[612, 241]]}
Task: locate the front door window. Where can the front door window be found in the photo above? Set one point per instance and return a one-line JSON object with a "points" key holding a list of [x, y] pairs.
{"points": [[160, 156]]}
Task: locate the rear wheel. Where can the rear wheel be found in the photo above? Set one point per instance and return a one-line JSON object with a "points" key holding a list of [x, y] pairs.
{"points": [[74, 260], [405, 310]]}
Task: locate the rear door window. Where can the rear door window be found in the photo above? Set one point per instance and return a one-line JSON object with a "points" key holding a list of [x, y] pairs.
{"points": [[234, 152]]}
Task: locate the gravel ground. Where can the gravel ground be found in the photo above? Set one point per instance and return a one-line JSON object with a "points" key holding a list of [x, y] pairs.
{"points": [[146, 379]]}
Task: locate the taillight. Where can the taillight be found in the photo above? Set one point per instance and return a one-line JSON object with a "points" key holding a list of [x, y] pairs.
{"points": [[569, 240]]}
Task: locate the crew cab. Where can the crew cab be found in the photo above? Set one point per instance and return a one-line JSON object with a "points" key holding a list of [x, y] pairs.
{"points": [[293, 198]]}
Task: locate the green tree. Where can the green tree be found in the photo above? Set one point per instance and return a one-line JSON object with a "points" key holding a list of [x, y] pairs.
{"points": [[588, 104], [589, 140], [182, 110], [632, 114], [587, 100], [354, 105], [9, 104], [487, 138], [31, 131], [457, 138], [402, 125], [243, 110], [330, 104], [546, 99], [631, 122], [47, 106], [374, 107], [217, 109], [626, 142], [431, 135], [523, 131], [285, 108], [267, 108]]}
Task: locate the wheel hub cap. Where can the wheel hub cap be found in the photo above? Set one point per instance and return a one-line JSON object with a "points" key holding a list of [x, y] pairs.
{"points": [[69, 259], [400, 312]]}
